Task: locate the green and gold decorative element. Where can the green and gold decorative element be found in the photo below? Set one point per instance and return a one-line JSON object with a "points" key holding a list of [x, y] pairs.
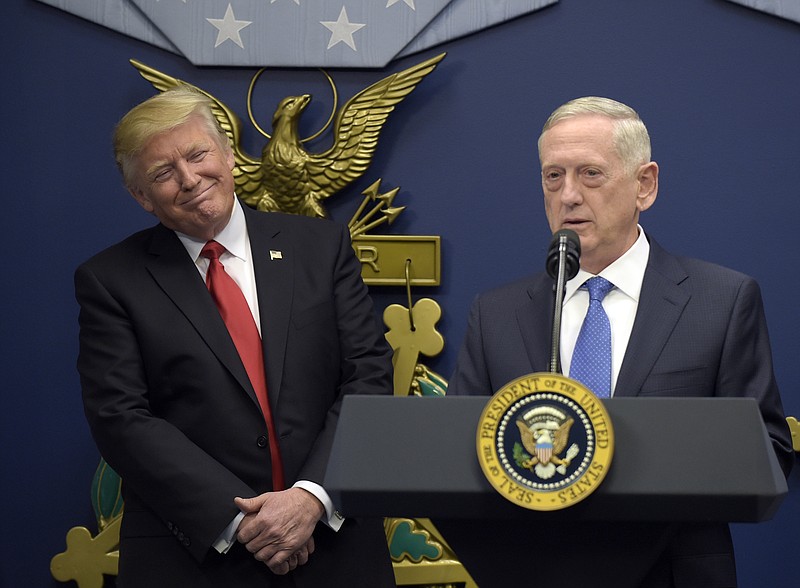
{"points": [[88, 559], [412, 331], [421, 557], [427, 382], [106, 495]]}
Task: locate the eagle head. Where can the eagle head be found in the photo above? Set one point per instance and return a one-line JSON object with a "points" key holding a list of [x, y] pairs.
{"points": [[290, 109]]}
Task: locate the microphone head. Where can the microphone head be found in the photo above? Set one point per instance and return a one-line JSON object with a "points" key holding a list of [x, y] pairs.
{"points": [[568, 239]]}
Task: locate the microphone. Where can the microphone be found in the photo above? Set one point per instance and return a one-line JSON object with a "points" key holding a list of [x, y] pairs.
{"points": [[563, 263], [565, 249]]}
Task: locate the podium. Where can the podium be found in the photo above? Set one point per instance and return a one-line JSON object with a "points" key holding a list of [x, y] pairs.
{"points": [[676, 460]]}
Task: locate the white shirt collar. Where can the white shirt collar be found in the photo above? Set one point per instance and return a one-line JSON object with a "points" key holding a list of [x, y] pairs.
{"points": [[233, 237], [626, 273]]}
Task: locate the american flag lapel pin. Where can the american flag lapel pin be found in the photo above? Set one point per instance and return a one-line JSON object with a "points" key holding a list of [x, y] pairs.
{"points": [[275, 254]]}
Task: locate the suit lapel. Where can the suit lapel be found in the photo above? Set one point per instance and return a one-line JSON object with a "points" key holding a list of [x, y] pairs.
{"points": [[535, 323], [661, 304], [178, 277], [273, 263]]}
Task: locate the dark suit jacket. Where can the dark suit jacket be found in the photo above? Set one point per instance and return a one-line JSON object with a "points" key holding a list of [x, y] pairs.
{"points": [[700, 330], [173, 412]]}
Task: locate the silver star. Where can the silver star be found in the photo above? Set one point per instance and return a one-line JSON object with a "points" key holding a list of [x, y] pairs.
{"points": [[342, 30], [229, 28]]}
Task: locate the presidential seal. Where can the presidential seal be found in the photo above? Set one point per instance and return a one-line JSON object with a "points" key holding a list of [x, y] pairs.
{"points": [[545, 441]]}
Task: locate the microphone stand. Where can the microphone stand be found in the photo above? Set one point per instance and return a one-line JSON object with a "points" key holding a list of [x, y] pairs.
{"points": [[559, 288]]}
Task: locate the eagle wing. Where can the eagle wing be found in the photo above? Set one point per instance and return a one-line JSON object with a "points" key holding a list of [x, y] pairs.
{"points": [[562, 436], [358, 125], [247, 170], [527, 437]]}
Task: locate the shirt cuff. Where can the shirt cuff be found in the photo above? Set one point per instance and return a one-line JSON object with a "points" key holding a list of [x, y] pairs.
{"points": [[226, 539], [331, 516]]}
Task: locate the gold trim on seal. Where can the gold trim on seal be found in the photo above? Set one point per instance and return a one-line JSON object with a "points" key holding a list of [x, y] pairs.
{"points": [[558, 471]]}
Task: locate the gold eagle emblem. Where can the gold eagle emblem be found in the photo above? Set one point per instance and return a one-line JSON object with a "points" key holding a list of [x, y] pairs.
{"points": [[287, 177], [545, 443]]}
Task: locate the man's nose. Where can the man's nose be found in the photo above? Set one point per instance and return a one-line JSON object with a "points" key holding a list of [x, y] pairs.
{"points": [[188, 177], [571, 191]]}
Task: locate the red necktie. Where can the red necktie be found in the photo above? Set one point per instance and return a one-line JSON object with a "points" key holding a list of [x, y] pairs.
{"points": [[237, 316]]}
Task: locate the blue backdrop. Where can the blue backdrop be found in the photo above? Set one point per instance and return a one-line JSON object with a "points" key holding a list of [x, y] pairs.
{"points": [[716, 83]]}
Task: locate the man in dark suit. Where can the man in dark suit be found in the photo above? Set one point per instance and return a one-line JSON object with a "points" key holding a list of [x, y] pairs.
{"points": [[169, 401], [679, 327]]}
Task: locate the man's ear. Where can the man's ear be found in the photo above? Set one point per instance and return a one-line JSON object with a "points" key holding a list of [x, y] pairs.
{"points": [[141, 198], [647, 176]]}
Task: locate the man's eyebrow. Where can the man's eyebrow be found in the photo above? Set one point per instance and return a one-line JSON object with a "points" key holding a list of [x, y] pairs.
{"points": [[157, 166], [161, 164]]}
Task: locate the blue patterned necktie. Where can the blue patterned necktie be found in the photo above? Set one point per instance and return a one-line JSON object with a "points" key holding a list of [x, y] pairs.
{"points": [[591, 360]]}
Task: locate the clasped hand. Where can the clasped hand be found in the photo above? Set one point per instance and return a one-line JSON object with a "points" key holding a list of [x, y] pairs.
{"points": [[277, 527]]}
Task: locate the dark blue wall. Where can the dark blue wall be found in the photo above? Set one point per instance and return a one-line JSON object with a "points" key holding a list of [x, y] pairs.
{"points": [[716, 83]]}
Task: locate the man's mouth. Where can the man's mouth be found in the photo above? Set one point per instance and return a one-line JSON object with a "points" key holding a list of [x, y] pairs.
{"points": [[572, 223], [194, 198]]}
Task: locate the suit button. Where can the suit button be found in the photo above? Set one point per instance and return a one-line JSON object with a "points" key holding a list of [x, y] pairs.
{"points": [[186, 542], [262, 441]]}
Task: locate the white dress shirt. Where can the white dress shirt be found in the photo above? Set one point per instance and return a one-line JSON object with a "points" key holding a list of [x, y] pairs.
{"points": [[237, 261], [620, 304]]}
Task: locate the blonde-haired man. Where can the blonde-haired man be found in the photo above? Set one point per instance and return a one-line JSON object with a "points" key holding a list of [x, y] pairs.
{"points": [[169, 400]]}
